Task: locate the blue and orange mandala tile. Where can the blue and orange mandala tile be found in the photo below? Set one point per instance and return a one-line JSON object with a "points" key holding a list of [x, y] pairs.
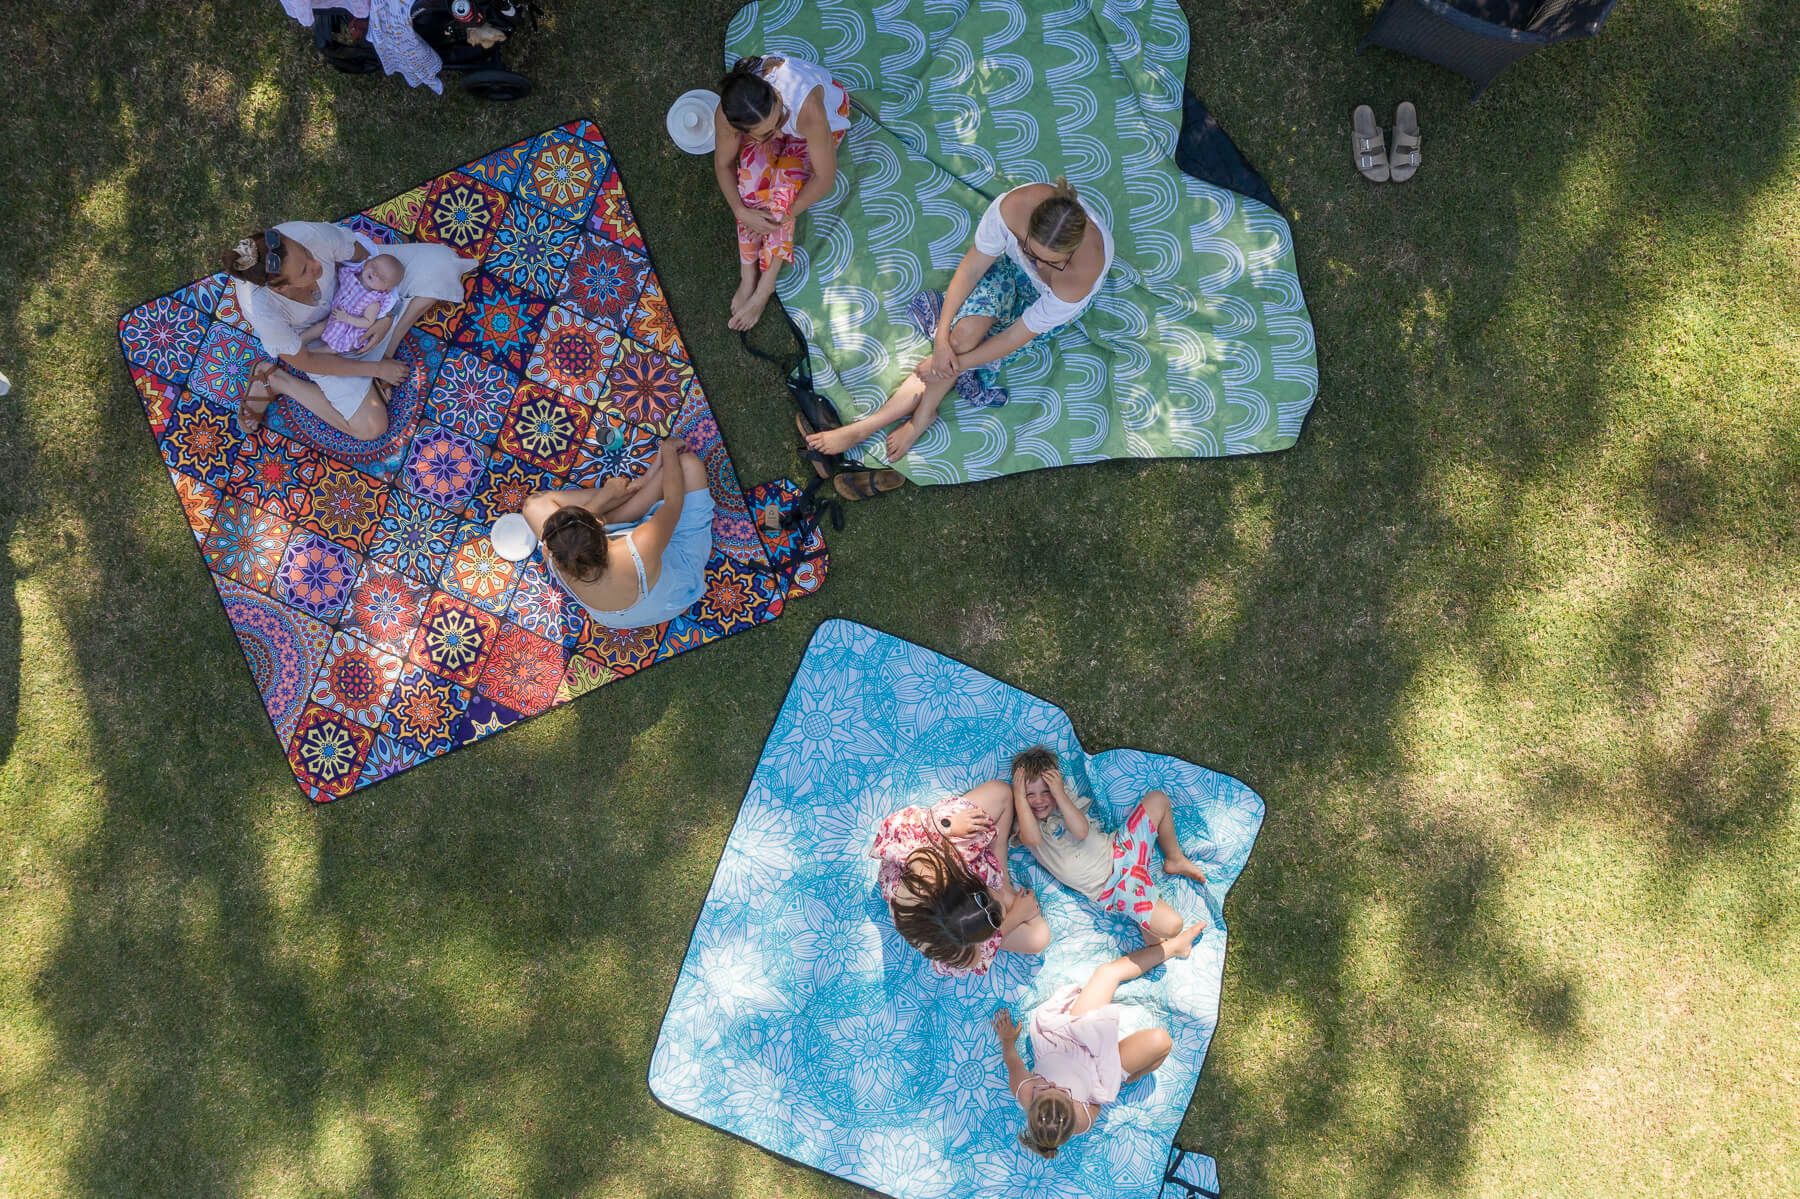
{"points": [[200, 438], [524, 671], [475, 572], [532, 250], [573, 355], [163, 337], [316, 575], [355, 680], [461, 213], [385, 607], [276, 473], [414, 536], [505, 487], [499, 322], [544, 428], [327, 750], [562, 172], [423, 712], [246, 543], [604, 281], [345, 506], [471, 395], [454, 638]]}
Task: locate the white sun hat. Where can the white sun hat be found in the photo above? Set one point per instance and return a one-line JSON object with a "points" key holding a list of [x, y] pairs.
{"points": [[512, 537], [691, 120]]}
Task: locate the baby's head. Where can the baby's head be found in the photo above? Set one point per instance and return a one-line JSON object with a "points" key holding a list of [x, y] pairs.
{"points": [[382, 273], [1032, 766], [1049, 1121]]}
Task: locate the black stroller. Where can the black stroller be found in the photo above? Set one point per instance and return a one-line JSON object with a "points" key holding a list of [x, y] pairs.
{"points": [[469, 35]]}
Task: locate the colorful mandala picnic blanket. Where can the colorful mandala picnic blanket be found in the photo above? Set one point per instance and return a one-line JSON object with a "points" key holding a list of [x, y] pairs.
{"points": [[381, 627], [802, 1022], [1198, 346]]}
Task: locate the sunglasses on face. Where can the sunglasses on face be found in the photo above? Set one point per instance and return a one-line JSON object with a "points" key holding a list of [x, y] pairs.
{"points": [[272, 264], [1046, 263], [990, 908]]}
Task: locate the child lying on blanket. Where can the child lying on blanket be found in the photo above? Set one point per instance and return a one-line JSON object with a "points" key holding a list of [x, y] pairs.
{"points": [[1032, 270], [363, 307], [1111, 869], [1081, 1059]]}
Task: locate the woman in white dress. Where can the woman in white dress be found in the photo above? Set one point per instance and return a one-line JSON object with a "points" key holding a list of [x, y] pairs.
{"points": [[286, 278]]}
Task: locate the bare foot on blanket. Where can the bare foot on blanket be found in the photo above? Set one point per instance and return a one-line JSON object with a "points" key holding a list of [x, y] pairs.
{"points": [[1183, 866], [1182, 944], [834, 441], [746, 315], [901, 440]]}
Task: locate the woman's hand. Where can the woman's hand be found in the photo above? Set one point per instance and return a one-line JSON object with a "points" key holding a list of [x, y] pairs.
{"points": [[390, 370], [1004, 1028], [970, 822], [1023, 908], [943, 364], [757, 221]]}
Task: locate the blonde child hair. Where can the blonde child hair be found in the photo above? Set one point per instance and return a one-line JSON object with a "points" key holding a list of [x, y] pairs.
{"points": [[1049, 1122]]}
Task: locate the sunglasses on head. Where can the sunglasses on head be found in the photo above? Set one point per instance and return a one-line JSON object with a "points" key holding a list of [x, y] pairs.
{"points": [[272, 263], [989, 908]]}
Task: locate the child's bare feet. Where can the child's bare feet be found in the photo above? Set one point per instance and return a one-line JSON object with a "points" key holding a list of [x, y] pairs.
{"points": [[834, 441], [901, 440], [746, 316], [1183, 866], [1182, 945], [746, 286]]}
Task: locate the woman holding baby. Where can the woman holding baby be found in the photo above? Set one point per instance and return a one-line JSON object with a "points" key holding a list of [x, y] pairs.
{"points": [[288, 281]]}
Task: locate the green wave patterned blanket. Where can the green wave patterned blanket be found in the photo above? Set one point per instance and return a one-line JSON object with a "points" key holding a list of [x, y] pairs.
{"points": [[1198, 346]]}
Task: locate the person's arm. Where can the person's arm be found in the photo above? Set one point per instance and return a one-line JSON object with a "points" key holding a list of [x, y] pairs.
{"points": [[1008, 1033], [1029, 832], [999, 845], [541, 505], [821, 148], [1023, 909], [1105, 980], [313, 331], [653, 536], [728, 139], [945, 362], [996, 347], [1072, 816]]}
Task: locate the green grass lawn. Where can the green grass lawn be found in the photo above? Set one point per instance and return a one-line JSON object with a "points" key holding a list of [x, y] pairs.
{"points": [[1508, 643]]}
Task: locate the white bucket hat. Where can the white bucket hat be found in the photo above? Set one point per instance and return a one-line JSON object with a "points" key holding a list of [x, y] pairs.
{"points": [[691, 120]]}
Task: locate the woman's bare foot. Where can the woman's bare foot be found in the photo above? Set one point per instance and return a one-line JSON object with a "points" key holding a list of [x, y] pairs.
{"points": [[901, 440], [835, 441], [1183, 866], [746, 317], [252, 411], [746, 284], [1182, 945]]}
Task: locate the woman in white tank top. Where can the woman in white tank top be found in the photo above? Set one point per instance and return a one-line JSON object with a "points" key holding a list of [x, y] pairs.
{"points": [[776, 134]]}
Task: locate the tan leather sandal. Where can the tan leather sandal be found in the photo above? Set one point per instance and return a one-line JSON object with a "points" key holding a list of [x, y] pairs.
{"points": [[1367, 145], [1404, 162], [250, 421]]}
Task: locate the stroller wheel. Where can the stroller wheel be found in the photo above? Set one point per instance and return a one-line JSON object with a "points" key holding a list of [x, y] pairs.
{"points": [[495, 84]]}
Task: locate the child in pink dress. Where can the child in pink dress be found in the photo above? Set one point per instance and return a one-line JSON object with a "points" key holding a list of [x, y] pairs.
{"points": [[365, 295], [1081, 1060]]}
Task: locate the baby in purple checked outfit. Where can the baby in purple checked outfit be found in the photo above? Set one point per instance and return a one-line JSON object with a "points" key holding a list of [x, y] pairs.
{"points": [[365, 297]]}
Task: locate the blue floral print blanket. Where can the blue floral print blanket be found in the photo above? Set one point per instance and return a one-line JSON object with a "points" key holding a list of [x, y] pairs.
{"points": [[801, 1022]]}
